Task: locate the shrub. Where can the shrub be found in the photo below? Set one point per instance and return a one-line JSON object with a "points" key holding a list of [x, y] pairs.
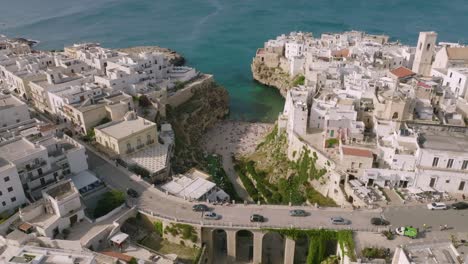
{"points": [[373, 252], [109, 202], [158, 228], [299, 80], [139, 171]]}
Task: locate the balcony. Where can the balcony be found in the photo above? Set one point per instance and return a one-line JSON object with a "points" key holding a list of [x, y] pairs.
{"points": [[140, 146], [130, 150], [149, 142], [32, 166]]}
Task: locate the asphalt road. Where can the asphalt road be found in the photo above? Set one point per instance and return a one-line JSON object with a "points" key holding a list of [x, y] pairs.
{"points": [[153, 200]]}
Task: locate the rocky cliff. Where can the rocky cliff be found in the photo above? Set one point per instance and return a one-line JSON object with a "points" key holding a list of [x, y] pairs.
{"points": [[174, 57], [190, 120], [274, 77]]}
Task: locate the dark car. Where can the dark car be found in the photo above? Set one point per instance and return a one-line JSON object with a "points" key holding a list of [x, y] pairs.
{"points": [[379, 221], [132, 193], [460, 206], [257, 218], [200, 208]]}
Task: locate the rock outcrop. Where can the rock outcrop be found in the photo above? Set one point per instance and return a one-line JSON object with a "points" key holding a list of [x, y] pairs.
{"points": [[174, 57], [274, 77], [190, 120]]}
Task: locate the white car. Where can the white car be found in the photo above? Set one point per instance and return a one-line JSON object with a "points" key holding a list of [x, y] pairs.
{"points": [[437, 206], [211, 216]]}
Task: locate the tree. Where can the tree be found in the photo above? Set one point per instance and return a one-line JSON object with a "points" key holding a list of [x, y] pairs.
{"points": [[133, 261], [109, 202], [143, 101]]}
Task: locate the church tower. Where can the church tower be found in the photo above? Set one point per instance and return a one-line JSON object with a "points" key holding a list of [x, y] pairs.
{"points": [[424, 52]]}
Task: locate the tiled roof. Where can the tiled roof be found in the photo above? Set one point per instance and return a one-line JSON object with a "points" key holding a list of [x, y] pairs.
{"points": [[118, 255], [402, 72], [357, 152]]}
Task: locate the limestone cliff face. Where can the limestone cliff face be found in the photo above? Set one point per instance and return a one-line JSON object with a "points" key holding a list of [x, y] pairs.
{"points": [[274, 77], [174, 57], [191, 119]]}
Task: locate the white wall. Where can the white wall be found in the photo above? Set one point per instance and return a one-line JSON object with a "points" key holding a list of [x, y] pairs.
{"points": [[15, 114], [13, 181], [456, 79]]}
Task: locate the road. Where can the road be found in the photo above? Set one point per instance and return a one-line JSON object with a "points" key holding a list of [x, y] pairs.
{"points": [[167, 206]]}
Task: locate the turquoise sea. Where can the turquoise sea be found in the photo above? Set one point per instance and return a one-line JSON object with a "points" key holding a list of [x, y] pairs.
{"points": [[221, 36]]}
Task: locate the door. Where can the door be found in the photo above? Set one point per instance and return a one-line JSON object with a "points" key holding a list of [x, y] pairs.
{"points": [[73, 220], [370, 182], [432, 183], [461, 186]]}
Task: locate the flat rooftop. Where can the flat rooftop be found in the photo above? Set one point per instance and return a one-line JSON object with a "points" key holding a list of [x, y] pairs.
{"points": [[17, 149], [430, 253], [124, 128], [61, 190], [446, 142], [184, 186], [9, 101]]}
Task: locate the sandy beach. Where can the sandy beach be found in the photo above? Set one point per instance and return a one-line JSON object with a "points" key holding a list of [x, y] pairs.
{"points": [[237, 138]]}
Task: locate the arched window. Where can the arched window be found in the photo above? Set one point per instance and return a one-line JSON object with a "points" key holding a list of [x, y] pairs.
{"points": [[395, 115]]}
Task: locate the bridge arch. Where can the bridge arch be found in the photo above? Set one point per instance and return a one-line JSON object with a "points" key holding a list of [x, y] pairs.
{"points": [[219, 240], [244, 245], [301, 249], [273, 245]]}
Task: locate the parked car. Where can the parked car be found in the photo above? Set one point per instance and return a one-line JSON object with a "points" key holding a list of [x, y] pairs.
{"points": [[297, 212], [257, 218], [378, 221], [340, 221], [211, 216], [407, 231], [200, 208], [437, 206], [132, 193], [460, 205]]}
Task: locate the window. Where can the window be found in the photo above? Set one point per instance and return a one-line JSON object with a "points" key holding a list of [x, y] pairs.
{"points": [[447, 181], [1, 193], [17, 120], [464, 165], [3, 203], [7, 179], [360, 165], [39, 171], [449, 163], [435, 162], [13, 199], [459, 81], [55, 174], [420, 45], [428, 46], [451, 74], [10, 189]]}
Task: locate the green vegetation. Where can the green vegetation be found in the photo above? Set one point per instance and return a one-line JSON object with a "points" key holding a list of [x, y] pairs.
{"points": [[5, 215], [90, 135], [265, 174], [109, 201], [331, 142], [298, 80], [156, 243], [197, 258], [186, 232], [375, 253], [143, 101], [133, 261], [388, 234], [139, 171], [322, 242], [179, 85], [158, 228], [219, 176]]}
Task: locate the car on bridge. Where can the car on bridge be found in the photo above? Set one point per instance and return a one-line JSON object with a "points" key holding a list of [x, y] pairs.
{"points": [[257, 218], [340, 221], [379, 221], [132, 193], [437, 206], [298, 212], [460, 206], [200, 208], [211, 216], [407, 231]]}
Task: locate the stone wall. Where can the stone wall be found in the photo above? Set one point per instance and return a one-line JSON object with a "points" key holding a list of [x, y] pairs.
{"points": [[275, 77], [188, 91]]}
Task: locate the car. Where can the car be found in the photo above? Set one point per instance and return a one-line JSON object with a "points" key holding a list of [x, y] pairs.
{"points": [[132, 193], [200, 208], [297, 212], [257, 218], [437, 206], [378, 221], [211, 216], [407, 231], [460, 205], [339, 221]]}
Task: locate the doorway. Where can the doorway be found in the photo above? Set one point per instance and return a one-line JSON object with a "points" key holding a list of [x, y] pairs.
{"points": [[432, 183]]}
